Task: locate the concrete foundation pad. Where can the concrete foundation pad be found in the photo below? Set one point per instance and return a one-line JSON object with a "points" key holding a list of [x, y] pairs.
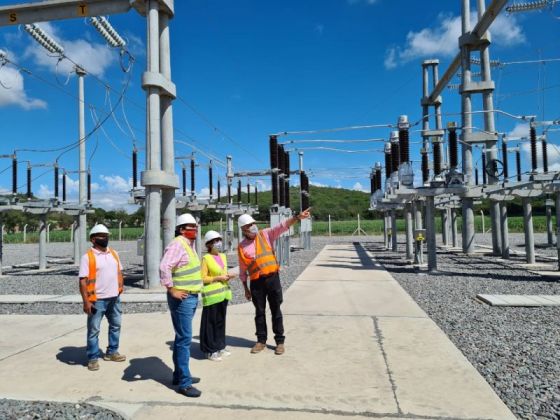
{"points": [[549, 273], [520, 300], [357, 346], [536, 266]]}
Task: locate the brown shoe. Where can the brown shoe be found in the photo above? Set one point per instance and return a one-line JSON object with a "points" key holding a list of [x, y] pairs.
{"points": [[93, 364], [114, 357], [258, 347], [279, 349]]}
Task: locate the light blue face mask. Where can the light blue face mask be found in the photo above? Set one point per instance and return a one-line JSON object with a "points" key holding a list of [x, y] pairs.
{"points": [[218, 246], [254, 229]]}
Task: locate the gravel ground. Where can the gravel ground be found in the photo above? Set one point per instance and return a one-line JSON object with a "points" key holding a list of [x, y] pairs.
{"points": [[515, 349]]}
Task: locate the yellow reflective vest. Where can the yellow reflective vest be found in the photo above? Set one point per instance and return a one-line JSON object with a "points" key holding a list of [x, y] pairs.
{"points": [[187, 277], [215, 292]]}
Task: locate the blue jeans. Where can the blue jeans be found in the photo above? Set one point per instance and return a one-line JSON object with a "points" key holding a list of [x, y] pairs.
{"points": [[182, 314], [111, 309]]}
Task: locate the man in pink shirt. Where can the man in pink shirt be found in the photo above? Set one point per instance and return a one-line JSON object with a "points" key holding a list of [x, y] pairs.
{"points": [[255, 258], [101, 284]]}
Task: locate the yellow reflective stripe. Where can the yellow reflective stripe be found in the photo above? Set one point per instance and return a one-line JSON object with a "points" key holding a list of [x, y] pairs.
{"points": [[267, 264], [214, 292], [187, 281], [180, 272]]}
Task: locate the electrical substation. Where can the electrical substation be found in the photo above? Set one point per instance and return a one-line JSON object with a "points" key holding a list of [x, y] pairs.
{"points": [[433, 172]]}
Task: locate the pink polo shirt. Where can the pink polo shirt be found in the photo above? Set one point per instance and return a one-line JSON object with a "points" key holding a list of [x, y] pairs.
{"points": [[106, 278], [248, 245]]}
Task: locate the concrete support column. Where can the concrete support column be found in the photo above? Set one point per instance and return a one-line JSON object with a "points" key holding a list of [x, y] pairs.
{"points": [[468, 226], [445, 227], [42, 242], [549, 234], [76, 238], [82, 184], [409, 231], [153, 243], [169, 212], [385, 231], [454, 242], [528, 225], [504, 229], [394, 245], [431, 234]]}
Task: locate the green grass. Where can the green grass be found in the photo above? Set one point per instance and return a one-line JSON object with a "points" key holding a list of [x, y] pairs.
{"points": [[320, 228]]}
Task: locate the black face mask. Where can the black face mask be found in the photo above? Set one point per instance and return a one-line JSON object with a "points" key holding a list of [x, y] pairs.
{"points": [[102, 242]]}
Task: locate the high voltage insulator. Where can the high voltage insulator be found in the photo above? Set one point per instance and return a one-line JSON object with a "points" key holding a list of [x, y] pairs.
{"points": [[395, 156], [192, 177], [378, 177], [184, 179], [545, 154], [56, 181], [210, 179], [493, 63], [256, 195], [64, 187], [239, 191], [304, 190], [528, 6], [518, 163], [14, 175], [281, 167], [42, 38], [273, 145], [484, 167], [425, 167], [29, 181], [248, 193], [476, 176], [229, 192], [453, 149], [404, 145], [134, 168], [372, 182], [219, 191], [388, 161], [107, 31], [505, 159], [437, 157], [533, 137], [89, 186], [287, 179]]}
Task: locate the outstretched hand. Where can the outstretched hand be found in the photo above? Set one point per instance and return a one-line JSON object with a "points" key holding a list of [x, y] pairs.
{"points": [[305, 214]]}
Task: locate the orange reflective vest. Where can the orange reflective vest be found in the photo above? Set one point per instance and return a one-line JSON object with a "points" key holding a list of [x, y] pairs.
{"points": [[264, 262], [90, 282]]}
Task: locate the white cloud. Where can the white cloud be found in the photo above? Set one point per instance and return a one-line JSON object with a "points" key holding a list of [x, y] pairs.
{"points": [[12, 90], [520, 130], [116, 183], [95, 58], [359, 187], [442, 41]]}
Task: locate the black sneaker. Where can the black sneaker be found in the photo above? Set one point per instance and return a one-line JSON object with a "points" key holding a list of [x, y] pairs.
{"points": [[190, 392], [195, 380]]}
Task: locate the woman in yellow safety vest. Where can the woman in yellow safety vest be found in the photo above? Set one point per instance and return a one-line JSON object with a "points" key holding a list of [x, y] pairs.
{"points": [[215, 296]]}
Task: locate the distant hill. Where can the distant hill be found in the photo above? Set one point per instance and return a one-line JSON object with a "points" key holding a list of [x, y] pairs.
{"points": [[340, 203]]}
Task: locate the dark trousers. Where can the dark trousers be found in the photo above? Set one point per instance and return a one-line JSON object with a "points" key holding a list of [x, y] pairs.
{"points": [[213, 327], [271, 289]]}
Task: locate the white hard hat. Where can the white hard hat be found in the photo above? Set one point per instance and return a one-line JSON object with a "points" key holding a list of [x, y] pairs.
{"points": [[186, 219], [99, 229], [245, 219], [211, 235]]}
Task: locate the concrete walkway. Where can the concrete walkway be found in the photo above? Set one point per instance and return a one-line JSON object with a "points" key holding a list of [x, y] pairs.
{"points": [[357, 346]]}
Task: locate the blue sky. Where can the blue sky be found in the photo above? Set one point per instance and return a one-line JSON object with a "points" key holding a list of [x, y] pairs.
{"points": [[249, 68]]}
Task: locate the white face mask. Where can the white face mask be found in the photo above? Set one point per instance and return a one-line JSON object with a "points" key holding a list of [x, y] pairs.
{"points": [[217, 246], [254, 229]]}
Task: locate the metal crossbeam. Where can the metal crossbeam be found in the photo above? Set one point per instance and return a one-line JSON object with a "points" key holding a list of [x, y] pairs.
{"points": [[64, 9], [479, 30]]}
